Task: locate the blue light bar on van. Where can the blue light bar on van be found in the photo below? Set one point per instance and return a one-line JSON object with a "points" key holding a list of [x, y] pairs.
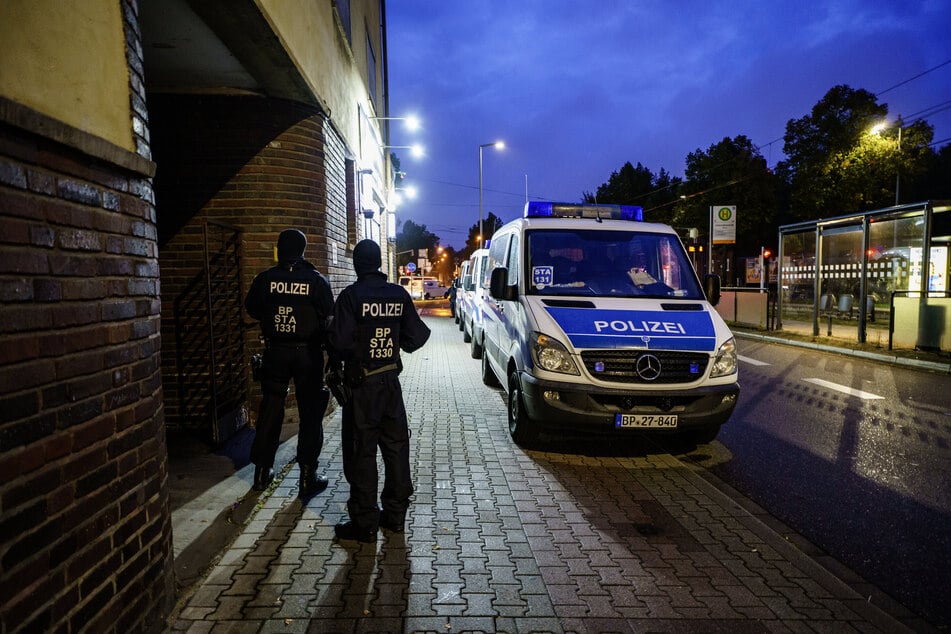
{"points": [[542, 209]]}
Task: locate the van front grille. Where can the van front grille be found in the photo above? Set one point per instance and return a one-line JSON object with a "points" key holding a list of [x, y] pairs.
{"points": [[631, 366]]}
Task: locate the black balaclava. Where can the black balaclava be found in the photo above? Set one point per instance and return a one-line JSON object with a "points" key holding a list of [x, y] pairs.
{"points": [[366, 257], [290, 245]]}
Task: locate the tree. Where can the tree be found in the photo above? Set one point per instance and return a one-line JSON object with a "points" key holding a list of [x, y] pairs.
{"points": [[490, 224], [638, 186], [413, 237], [731, 172], [835, 165]]}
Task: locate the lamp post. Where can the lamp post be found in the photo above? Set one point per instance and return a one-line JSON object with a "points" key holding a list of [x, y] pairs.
{"points": [[878, 127], [412, 122], [498, 145], [416, 150]]}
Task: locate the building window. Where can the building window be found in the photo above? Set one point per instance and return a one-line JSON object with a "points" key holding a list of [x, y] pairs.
{"points": [[343, 14], [371, 70]]}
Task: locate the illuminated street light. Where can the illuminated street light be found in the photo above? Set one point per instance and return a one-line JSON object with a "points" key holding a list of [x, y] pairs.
{"points": [[410, 190], [412, 121], [416, 150], [498, 145], [877, 129]]}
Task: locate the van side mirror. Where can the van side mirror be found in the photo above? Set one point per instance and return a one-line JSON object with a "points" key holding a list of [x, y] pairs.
{"points": [[498, 287], [711, 287]]}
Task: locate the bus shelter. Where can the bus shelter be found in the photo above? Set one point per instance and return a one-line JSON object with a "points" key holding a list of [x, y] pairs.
{"points": [[874, 275]]}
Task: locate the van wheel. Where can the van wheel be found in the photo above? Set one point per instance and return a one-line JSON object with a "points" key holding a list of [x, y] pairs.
{"points": [[466, 334], [475, 350], [488, 376], [524, 431], [459, 320]]}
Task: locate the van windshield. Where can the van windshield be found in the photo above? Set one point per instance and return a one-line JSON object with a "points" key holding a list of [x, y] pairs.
{"points": [[609, 263]]}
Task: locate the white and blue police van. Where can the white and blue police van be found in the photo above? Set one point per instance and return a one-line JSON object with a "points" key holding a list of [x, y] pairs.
{"points": [[475, 294], [597, 322]]}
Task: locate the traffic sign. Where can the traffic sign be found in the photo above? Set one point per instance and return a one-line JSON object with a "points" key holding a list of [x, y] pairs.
{"points": [[411, 267]]}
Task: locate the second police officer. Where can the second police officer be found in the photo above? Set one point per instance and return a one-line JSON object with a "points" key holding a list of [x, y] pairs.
{"points": [[373, 320], [293, 302]]}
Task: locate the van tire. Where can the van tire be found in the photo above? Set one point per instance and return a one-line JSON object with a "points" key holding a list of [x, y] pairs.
{"points": [[524, 431], [488, 376], [475, 350], [466, 334]]}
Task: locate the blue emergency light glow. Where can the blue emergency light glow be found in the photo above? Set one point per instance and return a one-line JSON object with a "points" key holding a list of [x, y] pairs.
{"points": [[542, 209]]}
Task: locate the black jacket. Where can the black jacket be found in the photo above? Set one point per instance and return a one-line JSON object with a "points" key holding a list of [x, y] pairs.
{"points": [[373, 320], [292, 301]]}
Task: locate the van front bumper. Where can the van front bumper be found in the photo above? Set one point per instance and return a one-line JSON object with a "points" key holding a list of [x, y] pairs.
{"points": [[557, 405]]}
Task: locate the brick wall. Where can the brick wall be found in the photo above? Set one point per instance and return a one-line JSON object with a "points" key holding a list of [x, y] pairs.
{"points": [[257, 164], [85, 528]]}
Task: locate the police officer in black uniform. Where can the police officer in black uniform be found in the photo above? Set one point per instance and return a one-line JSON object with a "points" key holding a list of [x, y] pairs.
{"points": [[374, 320], [293, 302]]}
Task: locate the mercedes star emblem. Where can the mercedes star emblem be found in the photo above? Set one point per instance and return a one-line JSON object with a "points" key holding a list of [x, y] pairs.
{"points": [[648, 367]]}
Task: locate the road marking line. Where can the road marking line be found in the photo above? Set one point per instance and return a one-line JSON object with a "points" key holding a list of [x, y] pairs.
{"points": [[750, 361], [845, 389]]}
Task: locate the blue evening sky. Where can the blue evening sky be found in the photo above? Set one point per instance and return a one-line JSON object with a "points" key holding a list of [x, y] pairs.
{"points": [[576, 88]]}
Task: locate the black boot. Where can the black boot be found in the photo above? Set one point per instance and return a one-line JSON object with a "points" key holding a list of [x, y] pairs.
{"points": [[262, 478], [392, 523], [348, 531], [310, 484]]}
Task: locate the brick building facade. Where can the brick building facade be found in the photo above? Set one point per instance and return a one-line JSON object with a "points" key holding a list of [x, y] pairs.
{"points": [[134, 211], [246, 167], [85, 528]]}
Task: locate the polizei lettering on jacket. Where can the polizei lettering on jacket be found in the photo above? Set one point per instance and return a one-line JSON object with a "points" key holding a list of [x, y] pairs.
{"points": [[290, 288], [619, 325], [382, 309]]}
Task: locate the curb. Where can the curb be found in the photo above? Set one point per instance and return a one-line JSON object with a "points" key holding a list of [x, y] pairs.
{"points": [[920, 364]]}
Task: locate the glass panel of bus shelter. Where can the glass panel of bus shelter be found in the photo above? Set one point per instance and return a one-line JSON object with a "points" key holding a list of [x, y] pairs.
{"points": [[799, 275], [841, 270], [891, 243]]}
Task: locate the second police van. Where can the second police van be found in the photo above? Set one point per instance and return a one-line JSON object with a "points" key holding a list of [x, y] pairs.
{"points": [[596, 321], [475, 296]]}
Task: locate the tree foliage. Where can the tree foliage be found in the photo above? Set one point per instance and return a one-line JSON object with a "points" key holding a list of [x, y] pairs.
{"points": [[836, 165], [731, 172], [490, 224], [413, 237], [638, 186]]}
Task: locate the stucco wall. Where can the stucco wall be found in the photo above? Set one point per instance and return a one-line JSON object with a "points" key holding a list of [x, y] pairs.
{"points": [[337, 75], [67, 59]]}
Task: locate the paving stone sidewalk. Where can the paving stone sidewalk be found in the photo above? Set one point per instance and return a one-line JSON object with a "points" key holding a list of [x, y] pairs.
{"points": [[572, 537]]}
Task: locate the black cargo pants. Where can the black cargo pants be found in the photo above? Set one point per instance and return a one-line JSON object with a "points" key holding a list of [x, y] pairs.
{"points": [[304, 364], [376, 417]]}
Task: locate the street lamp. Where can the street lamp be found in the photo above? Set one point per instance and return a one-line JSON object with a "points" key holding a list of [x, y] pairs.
{"points": [[876, 129], [416, 150], [498, 145], [412, 121]]}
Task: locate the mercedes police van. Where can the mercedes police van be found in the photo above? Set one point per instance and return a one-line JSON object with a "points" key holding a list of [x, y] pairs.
{"points": [[475, 294], [597, 322]]}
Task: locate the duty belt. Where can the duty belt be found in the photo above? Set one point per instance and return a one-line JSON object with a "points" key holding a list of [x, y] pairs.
{"points": [[381, 369], [286, 344]]}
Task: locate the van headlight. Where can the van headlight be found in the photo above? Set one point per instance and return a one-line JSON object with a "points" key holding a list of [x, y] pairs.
{"points": [[549, 354], [725, 361]]}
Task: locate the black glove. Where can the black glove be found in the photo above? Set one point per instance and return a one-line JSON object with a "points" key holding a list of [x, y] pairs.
{"points": [[257, 367], [338, 386]]}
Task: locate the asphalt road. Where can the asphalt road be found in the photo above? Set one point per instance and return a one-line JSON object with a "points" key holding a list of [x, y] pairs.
{"points": [[854, 456]]}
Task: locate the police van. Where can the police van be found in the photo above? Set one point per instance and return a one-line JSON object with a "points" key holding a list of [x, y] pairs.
{"points": [[476, 291], [597, 322], [461, 293]]}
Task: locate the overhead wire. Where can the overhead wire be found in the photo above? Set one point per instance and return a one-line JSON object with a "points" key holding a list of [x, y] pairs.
{"points": [[921, 114]]}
